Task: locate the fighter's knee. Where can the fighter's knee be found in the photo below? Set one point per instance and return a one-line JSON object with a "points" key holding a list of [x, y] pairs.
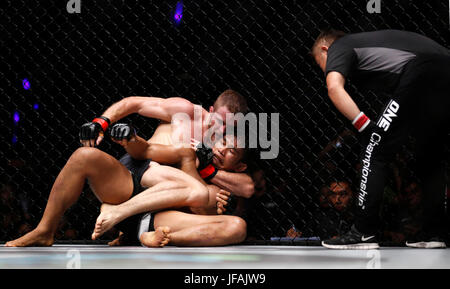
{"points": [[237, 228], [199, 195], [84, 154]]}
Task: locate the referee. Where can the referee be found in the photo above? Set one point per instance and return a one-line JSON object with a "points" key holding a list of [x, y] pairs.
{"points": [[414, 71]]}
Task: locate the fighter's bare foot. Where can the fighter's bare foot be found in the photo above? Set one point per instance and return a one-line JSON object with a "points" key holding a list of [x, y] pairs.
{"points": [[105, 221], [157, 238], [35, 238]]}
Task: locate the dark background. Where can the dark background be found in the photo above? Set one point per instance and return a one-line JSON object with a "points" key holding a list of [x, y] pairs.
{"points": [[79, 64]]}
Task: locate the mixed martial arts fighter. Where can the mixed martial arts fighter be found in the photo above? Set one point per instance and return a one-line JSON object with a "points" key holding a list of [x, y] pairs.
{"points": [[170, 131], [155, 229], [110, 180]]}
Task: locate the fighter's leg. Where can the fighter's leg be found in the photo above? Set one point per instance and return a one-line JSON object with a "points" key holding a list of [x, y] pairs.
{"points": [[169, 188], [197, 230], [110, 181]]}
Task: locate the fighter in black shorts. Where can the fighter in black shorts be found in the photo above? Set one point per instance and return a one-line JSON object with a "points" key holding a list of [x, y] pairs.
{"points": [[112, 182], [132, 217], [415, 71]]}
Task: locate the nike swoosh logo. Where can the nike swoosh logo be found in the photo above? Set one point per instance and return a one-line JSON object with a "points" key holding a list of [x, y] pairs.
{"points": [[366, 238]]}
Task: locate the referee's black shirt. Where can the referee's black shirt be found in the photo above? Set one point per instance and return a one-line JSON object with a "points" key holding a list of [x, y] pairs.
{"points": [[375, 60]]}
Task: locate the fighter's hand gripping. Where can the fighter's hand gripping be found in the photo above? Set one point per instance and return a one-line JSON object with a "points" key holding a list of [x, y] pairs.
{"points": [[92, 133], [122, 133]]}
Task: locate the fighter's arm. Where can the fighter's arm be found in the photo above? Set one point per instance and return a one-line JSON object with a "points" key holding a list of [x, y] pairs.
{"points": [[217, 197], [153, 107], [92, 133], [343, 102], [139, 148], [240, 184], [186, 158]]}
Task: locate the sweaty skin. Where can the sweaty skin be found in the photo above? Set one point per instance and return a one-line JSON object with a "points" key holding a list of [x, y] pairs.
{"points": [[239, 184]]}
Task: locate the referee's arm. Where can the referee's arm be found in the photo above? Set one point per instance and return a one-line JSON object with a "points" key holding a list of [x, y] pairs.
{"points": [[340, 98]]}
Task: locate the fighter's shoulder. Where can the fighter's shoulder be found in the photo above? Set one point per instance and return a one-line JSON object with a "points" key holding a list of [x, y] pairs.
{"points": [[184, 101]]}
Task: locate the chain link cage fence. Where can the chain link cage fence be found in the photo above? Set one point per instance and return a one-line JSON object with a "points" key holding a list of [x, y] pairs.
{"points": [[61, 69]]}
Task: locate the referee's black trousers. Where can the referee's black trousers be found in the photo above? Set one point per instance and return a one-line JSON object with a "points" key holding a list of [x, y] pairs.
{"points": [[420, 106]]}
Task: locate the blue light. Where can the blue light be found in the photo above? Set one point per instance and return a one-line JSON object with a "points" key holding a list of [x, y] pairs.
{"points": [[26, 84], [36, 106], [178, 15], [14, 139], [16, 117]]}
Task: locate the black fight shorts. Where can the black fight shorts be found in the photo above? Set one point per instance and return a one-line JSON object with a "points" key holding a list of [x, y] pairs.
{"points": [[135, 225]]}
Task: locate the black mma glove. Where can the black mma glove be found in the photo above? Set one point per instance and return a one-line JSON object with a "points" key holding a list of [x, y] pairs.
{"points": [[91, 130], [121, 131], [205, 168], [204, 155]]}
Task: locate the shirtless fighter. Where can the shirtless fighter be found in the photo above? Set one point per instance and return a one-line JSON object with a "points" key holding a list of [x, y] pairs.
{"points": [[170, 132], [178, 227], [111, 181]]}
